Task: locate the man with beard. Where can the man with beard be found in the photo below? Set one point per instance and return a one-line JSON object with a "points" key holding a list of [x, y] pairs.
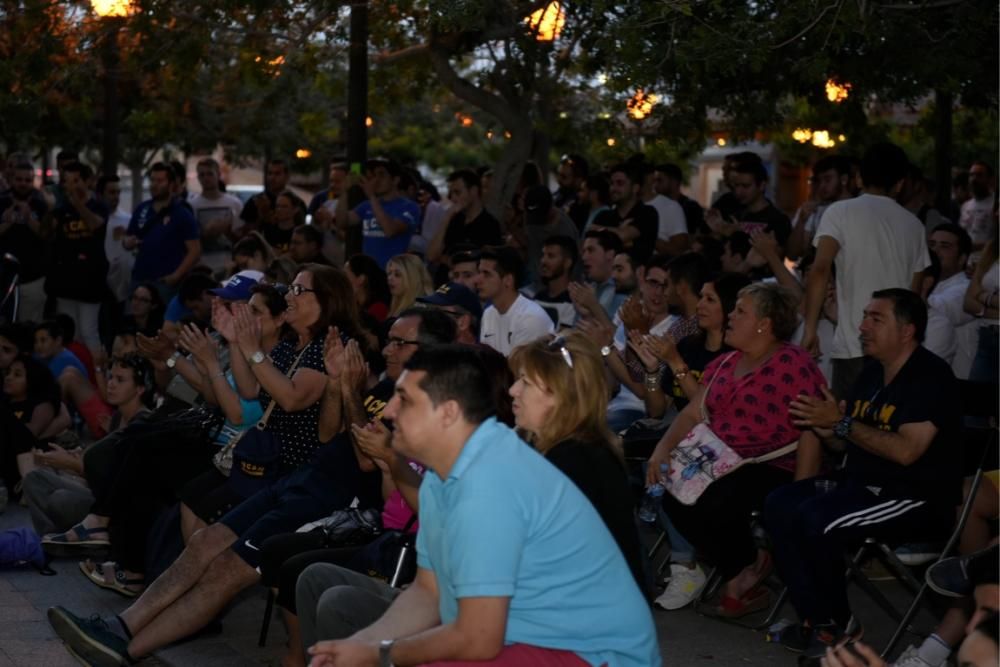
{"points": [[555, 267], [23, 215]]}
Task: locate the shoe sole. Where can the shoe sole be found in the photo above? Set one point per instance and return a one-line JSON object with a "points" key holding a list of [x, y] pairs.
{"points": [[79, 658], [100, 582], [88, 650], [941, 591]]}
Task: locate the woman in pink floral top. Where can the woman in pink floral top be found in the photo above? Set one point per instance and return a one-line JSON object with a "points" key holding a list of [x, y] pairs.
{"points": [[749, 391]]}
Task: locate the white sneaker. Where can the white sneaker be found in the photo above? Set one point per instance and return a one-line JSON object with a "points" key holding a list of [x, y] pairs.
{"points": [[685, 585], [910, 658]]}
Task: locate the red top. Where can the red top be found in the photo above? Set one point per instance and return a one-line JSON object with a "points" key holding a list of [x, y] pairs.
{"points": [[379, 311], [750, 413], [83, 354]]}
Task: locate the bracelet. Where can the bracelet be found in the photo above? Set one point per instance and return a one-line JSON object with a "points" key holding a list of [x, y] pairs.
{"points": [[652, 381], [681, 373]]}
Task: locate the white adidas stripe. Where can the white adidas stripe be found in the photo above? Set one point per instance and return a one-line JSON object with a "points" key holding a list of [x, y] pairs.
{"points": [[866, 510], [868, 517], [902, 511]]}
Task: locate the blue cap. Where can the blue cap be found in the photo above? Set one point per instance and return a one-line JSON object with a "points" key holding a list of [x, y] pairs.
{"points": [[236, 288], [454, 294]]}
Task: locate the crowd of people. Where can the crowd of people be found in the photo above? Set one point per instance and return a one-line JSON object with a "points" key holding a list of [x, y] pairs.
{"points": [[218, 395]]}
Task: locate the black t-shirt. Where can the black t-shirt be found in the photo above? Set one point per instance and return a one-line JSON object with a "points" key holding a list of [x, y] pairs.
{"points": [[696, 357], [768, 219], [924, 390], [20, 240], [484, 230], [601, 477], [728, 205], [79, 268], [694, 215], [279, 238], [251, 213], [645, 219]]}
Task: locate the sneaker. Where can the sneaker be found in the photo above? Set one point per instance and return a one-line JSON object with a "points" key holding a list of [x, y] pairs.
{"points": [[950, 577], [794, 636], [91, 639], [910, 658], [685, 585], [917, 554]]}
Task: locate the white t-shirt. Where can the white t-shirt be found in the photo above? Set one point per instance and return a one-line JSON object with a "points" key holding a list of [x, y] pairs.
{"points": [[945, 315], [225, 206], [671, 215], [881, 246], [120, 260], [976, 218], [524, 322]]}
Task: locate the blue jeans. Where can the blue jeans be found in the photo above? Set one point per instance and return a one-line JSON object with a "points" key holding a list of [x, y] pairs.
{"points": [[985, 363]]}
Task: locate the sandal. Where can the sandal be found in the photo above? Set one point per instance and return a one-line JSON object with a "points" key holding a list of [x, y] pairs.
{"points": [[754, 600], [84, 537], [121, 583]]}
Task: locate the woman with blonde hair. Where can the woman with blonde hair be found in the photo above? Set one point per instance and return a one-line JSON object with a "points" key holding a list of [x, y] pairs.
{"points": [[408, 279], [560, 406]]}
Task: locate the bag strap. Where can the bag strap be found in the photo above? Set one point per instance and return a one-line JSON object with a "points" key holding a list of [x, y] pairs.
{"points": [[708, 387], [262, 423], [776, 454]]}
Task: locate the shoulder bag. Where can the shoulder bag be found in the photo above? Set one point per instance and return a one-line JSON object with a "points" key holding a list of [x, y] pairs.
{"points": [[702, 457]]}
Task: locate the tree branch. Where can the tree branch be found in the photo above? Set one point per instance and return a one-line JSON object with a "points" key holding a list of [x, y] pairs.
{"points": [[474, 95]]}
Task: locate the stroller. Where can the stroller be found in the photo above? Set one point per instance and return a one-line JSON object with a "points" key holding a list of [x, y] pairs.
{"points": [[10, 295]]}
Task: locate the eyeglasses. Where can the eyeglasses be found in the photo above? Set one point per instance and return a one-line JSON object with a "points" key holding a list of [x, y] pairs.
{"points": [[400, 342], [656, 284], [559, 343], [295, 289]]}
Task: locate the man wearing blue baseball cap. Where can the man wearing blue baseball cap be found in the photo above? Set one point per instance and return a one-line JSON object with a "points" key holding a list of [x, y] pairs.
{"points": [[237, 288], [458, 301]]}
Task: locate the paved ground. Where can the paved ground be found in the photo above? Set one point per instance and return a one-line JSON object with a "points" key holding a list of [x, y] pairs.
{"points": [[27, 640]]}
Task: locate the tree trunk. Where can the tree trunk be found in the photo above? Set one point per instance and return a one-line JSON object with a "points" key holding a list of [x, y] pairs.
{"points": [[943, 103], [507, 172]]}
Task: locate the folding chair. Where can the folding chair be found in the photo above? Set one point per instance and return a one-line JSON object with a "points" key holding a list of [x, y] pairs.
{"points": [[980, 400], [10, 293]]}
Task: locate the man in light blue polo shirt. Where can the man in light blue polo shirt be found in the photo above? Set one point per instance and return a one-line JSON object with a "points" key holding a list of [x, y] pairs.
{"points": [[515, 565]]}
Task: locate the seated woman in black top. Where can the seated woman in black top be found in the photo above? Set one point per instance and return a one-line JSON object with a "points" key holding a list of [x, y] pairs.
{"points": [[561, 406], [675, 367], [29, 411]]}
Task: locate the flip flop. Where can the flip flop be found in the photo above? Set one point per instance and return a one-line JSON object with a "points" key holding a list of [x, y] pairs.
{"points": [[84, 537]]}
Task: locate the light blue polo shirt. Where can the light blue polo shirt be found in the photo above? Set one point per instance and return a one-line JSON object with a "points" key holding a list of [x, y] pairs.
{"points": [[507, 523]]}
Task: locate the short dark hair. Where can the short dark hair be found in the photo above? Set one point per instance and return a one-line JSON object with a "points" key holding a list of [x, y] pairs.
{"points": [[52, 328], [436, 327], [739, 244], [883, 166], [142, 374], [579, 164], [390, 166], [455, 373], [508, 262], [632, 170], [310, 234], [41, 385], [19, 334], [753, 167], [672, 171], [102, 182], [180, 171], [68, 156], [75, 168], [606, 239], [193, 286], [658, 261], [828, 162], [908, 308], [468, 177], [985, 165], [166, 169], [598, 183], [462, 256], [964, 240], [689, 268], [273, 297], [278, 162], [67, 327], [567, 245]]}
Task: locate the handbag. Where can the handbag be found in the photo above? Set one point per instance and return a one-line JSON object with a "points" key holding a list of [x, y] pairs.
{"points": [[391, 557], [702, 457], [250, 459], [347, 528]]}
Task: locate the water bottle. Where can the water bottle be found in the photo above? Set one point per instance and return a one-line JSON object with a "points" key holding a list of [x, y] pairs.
{"points": [[651, 501]]}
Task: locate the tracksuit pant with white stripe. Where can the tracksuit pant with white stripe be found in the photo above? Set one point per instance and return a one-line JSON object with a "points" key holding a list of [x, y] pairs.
{"points": [[811, 532]]}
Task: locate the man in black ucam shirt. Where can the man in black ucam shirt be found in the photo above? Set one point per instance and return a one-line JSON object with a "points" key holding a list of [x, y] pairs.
{"points": [[901, 480]]}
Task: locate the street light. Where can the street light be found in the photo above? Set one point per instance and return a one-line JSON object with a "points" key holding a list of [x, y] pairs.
{"points": [[837, 92], [547, 23], [113, 13]]}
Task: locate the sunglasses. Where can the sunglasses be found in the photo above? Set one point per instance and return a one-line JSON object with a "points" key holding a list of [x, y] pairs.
{"points": [[559, 343]]}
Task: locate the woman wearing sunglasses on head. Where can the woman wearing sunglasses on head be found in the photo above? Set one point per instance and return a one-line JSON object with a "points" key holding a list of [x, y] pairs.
{"points": [[561, 405]]}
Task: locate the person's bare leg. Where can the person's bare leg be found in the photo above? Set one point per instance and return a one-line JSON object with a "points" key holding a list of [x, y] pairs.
{"points": [[745, 580], [190, 523], [75, 387], [225, 577], [25, 463], [296, 656], [185, 572]]}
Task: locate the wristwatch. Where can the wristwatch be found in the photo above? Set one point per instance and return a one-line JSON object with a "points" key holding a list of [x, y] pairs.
{"points": [[606, 351], [172, 361], [256, 358], [842, 429], [384, 647]]}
